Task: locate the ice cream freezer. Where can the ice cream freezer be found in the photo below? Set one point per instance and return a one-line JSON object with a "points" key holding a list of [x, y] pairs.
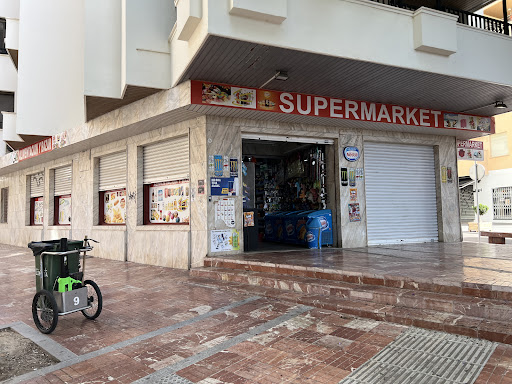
{"points": [[310, 228]]}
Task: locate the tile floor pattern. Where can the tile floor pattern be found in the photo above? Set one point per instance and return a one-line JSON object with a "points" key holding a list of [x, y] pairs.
{"points": [[317, 346]]}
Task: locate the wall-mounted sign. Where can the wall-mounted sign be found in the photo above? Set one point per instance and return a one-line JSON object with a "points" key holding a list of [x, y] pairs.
{"points": [[470, 150], [354, 212], [444, 174], [224, 95], [200, 187], [225, 211], [344, 176], [224, 240], [223, 186], [233, 167], [352, 177], [351, 153], [219, 165]]}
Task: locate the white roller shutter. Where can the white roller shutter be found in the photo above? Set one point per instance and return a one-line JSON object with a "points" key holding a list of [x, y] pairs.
{"points": [[37, 185], [165, 161], [400, 193], [113, 171], [63, 181]]}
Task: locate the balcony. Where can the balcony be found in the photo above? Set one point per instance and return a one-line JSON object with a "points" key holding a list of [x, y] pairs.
{"points": [[465, 16]]}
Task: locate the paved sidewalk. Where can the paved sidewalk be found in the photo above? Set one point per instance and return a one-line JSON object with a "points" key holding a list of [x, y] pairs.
{"points": [[157, 324]]}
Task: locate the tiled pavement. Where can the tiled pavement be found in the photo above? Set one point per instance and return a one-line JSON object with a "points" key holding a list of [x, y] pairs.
{"points": [[316, 346]]}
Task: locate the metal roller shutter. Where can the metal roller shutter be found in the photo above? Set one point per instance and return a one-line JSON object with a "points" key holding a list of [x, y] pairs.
{"points": [[113, 171], [63, 181], [400, 193], [37, 185], [165, 161]]}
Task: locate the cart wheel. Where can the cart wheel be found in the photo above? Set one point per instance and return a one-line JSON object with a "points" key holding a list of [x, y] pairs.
{"points": [[94, 299], [45, 311]]}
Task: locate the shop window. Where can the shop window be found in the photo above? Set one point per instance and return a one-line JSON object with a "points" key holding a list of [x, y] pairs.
{"points": [[36, 199], [62, 196], [4, 205], [113, 207], [112, 189], [3, 51], [499, 144], [502, 203], [166, 182]]}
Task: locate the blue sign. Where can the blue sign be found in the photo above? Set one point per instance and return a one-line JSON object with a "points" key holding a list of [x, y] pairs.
{"points": [[223, 186], [351, 153], [219, 165]]}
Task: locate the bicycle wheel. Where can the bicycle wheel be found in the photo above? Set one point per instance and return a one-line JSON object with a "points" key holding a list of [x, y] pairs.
{"points": [[94, 299], [45, 311]]}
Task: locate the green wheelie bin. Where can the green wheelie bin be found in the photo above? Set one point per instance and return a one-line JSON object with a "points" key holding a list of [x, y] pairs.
{"points": [[60, 288]]}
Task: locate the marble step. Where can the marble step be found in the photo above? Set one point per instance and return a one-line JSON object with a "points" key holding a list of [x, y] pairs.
{"points": [[438, 285], [493, 330], [492, 309]]}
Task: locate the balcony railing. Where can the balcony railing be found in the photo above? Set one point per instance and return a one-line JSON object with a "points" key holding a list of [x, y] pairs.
{"points": [[466, 18]]}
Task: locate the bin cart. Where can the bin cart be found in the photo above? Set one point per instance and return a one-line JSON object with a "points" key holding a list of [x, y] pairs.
{"points": [[60, 287]]}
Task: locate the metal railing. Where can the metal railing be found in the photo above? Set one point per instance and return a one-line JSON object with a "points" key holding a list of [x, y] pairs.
{"points": [[502, 203], [466, 18]]}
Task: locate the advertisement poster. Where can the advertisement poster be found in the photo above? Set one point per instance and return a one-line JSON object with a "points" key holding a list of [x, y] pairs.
{"points": [[443, 174], [200, 187], [352, 177], [225, 211], [233, 167], [470, 150], [224, 240], [353, 194], [64, 217], [353, 212], [218, 166], [249, 219], [344, 176], [38, 211], [449, 174], [232, 96], [170, 202], [224, 186], [114, 203]]}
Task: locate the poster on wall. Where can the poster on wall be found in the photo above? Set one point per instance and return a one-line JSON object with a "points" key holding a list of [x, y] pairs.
{"points": [[170, 202], [353, 212], [233, 167], [353, 194], [225, 211], [64, 217], [249, 219], [224, 186], [114, 203], [38, 211], [352, 177], [344, 176], [200, 187], [449, 174], [218, 165], [224, 240], [443, 174]]}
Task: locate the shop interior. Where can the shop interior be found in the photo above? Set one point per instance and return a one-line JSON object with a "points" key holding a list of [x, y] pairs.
{"points": [[285, 195]]}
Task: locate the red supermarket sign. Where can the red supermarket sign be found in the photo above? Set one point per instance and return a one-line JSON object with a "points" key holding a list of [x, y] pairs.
{"points": [[36, 149], [470, 150], [223, 95]]}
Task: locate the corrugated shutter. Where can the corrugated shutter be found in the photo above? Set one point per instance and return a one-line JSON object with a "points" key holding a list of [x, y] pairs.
{"points": [[165, 161], [400, 193], [113, 171], [37, 185], [63, 181]]}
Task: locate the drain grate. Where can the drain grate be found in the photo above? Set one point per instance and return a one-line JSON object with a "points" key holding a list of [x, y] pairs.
{"points": [[174, 379], [423, 356]]}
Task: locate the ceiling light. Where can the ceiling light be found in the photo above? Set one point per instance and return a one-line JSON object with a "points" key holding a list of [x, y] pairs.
{"points": [[281, 75], [500, 105]]}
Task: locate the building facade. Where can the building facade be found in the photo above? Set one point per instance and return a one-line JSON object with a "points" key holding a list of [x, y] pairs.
{"points": [[173, 130]]}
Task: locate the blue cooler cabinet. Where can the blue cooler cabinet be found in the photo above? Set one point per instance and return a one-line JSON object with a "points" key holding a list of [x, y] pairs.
{"points": [[310, 228]]}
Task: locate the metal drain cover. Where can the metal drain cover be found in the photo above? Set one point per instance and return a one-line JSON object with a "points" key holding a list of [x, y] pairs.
{"points": [[423, 356]]}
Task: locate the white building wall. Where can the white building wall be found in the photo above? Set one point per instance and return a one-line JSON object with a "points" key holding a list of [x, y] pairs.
{"points": [[148, 58], [51, 66], [103, 48], [368, 31], [10, 9], [8, 75], [493, 179]]}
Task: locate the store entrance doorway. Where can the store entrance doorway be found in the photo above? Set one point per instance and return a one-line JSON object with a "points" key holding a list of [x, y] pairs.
{"points": [[288, 194]]}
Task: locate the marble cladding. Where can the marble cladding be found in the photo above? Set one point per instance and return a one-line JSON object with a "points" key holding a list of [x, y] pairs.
{"points": [[170, 246], [177, 246]]}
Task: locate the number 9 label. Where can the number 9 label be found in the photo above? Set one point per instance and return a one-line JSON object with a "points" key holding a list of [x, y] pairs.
{"points": [[76, 300]]}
